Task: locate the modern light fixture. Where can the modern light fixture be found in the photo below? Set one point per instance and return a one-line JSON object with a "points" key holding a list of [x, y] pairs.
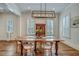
{"points": [[43, 13]]}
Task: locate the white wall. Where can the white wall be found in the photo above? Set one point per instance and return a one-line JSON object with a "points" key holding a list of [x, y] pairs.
{"points": [[3, 26], [56, 26], [27, 15], [73, 10]]}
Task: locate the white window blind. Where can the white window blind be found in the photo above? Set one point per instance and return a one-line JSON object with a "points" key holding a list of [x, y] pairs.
{"points": [[66, 26], [49, 27], [30, 27], [10, 24]]}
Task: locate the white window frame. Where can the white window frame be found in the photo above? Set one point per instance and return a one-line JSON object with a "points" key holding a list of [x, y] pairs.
{"points": [[47, 28], [10, 24], [66, 28]]}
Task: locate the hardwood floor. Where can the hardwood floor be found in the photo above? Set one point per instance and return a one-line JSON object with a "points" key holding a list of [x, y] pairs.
{"points": [[9, 49], [65, 50]]}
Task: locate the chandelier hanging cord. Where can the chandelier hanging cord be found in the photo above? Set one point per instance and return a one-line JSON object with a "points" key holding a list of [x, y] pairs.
{"points": [[40, 8], [45, 9]]}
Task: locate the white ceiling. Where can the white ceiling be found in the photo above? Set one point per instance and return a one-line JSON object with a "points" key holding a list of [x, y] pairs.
{"points": [[3, 7], [58, 7], [22, 7]]}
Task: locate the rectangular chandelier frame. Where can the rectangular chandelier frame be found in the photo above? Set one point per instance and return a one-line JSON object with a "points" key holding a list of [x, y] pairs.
{"points": [[43, 14]]}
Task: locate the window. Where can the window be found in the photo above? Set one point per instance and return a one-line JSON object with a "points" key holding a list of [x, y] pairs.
{"points": [[49, 27], [30, 27], [66, 27], [10, 25]]}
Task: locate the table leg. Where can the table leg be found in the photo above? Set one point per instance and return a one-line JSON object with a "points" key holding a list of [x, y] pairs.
{"points": [[56, 48], [35, 47], [21, 49], [51, 48]]}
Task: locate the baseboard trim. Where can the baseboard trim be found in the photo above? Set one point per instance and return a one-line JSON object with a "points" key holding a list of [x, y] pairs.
{"points": [[7, 40]]}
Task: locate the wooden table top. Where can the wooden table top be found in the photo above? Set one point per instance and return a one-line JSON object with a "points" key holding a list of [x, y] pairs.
{"points": [[30, 39]]}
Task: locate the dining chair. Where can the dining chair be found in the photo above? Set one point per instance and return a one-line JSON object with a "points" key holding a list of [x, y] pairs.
{"points": [[18, 47], [28, 48], [47, 48]]}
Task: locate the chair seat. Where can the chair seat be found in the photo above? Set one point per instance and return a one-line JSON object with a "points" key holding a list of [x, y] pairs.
{"points": [[28, 49], [26, 46], [18, 42], [47, 47]]}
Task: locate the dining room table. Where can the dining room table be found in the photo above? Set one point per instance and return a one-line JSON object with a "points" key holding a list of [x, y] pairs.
{"points": [[37, 40]]}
